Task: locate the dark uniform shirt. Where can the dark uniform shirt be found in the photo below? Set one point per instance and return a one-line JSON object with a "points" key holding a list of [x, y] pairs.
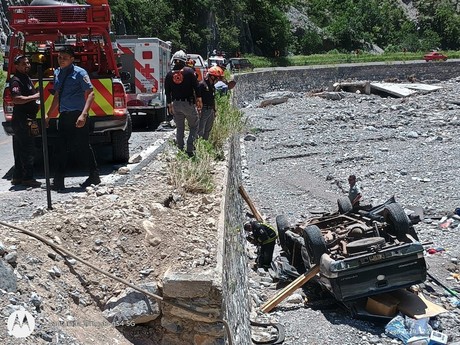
{"points": [[181, 84], [21, 85], [208, 93], [263, 233]]}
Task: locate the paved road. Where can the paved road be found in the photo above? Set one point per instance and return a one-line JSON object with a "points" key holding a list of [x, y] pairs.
{"points": [[141, 142]]}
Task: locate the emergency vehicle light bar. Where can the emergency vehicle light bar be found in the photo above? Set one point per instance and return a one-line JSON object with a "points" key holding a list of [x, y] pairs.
{"points": [[23, 17]]}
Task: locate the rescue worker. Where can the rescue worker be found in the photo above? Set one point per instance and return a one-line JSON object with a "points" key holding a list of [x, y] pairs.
{"points": [[73, 96], [24, 96], [190, 63], [37, 59], [355, 195], [208, 93], [264, 237], [184, 100]]}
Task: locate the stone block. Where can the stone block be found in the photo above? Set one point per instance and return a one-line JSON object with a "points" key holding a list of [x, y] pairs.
{"points": [[183, 285]]}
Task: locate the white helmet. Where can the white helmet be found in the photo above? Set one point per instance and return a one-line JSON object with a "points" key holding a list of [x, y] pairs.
{"points": [[180, 55]]}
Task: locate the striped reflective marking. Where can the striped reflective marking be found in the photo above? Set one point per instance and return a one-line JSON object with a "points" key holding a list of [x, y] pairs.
{"points": [[103, 97], [48, 97]]}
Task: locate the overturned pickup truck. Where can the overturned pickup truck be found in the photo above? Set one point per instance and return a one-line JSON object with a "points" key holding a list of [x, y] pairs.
{"points": [[360, 253]]}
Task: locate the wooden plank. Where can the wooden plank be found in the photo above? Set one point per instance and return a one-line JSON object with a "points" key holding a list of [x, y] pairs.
{"points": [[248, 200], [288, 290]]}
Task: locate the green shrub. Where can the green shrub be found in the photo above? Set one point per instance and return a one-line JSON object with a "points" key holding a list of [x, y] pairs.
{"points": [[195, 175]]}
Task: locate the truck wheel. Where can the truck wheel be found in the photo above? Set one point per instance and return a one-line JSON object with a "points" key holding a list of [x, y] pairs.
{"points": [[397, 221], [282, 225], [314, 243], [120, 143], [345, 205], [365, 244], [155, 118]]}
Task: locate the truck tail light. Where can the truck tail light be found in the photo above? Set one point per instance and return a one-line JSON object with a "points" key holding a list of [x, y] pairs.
{"points": [[119, 99], [7, 104]]}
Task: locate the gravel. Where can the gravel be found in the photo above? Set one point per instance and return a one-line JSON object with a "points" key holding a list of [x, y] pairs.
{"points": [[297, 158]]}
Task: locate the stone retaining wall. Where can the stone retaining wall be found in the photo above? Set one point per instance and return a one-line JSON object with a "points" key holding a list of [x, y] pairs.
{"points": [[221, 293], [302, 79]]}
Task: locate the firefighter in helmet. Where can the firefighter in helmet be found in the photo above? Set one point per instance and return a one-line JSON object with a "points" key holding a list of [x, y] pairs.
{"points": [[36, 60], [184, 100], [264, 237]]}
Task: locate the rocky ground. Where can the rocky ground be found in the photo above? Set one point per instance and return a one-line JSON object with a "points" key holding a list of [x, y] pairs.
{"points": [[138, 226], [297, 161], [135, 227]]}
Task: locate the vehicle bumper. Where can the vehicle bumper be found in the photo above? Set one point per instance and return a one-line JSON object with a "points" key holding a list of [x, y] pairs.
{"points": [[402, 268], [109, 123], [100, 125]]}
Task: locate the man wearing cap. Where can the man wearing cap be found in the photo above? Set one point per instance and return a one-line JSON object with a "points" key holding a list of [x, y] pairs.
{"points": [[182, 92], [25, 109], [73, 96]]}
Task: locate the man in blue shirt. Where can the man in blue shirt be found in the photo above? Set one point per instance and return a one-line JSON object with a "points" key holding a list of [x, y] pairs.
{"points": [[73, 96]]}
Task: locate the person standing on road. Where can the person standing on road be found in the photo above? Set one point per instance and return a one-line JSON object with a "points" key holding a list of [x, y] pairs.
{"points": [[182, 95], [264, 237], [73, 96], [25, 109]]}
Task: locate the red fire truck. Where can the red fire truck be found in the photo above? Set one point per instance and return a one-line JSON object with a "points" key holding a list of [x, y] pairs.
{"points": [[39, 32]]}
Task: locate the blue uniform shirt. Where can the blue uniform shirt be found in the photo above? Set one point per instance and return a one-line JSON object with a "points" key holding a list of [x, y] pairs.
{"points": [[76, 81]]}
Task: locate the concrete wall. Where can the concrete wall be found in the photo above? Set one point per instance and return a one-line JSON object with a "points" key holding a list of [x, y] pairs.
{"points": [[223, 292], [300, 79], [235, 275]]}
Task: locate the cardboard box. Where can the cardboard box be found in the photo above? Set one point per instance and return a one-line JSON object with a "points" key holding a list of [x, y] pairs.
{"points": [[384, 304]]}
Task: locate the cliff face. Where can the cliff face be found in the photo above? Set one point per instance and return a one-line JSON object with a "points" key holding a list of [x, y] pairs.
{"points": [[409, 8]]}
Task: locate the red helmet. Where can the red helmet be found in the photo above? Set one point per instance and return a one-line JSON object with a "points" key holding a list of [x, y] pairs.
{"points": [[216, 71]]}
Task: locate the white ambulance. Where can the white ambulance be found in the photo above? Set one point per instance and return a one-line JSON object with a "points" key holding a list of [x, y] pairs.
{"points": [[144, 63]]}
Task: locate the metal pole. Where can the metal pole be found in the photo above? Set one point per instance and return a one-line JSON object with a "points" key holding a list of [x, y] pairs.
{"points": [[44, 136]]}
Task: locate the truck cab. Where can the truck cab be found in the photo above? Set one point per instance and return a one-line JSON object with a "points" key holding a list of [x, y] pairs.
{"points": [[39, 32]]}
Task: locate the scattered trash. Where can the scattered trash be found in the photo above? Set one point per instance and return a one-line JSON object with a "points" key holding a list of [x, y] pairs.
{"points": [[446, 224], [454, 302], [437, 338], [396, 328], [411, 331], [435, 250]]}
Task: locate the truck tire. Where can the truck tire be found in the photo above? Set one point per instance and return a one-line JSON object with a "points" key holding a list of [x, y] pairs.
{"points": [[345, 205], [120, 143], [365, 244], [282, 225], [397, 221], [314, 243], [155, 118]]}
